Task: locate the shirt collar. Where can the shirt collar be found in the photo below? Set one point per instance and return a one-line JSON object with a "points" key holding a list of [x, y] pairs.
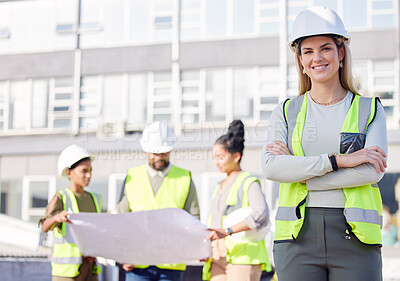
{"points": [[153, 173]]}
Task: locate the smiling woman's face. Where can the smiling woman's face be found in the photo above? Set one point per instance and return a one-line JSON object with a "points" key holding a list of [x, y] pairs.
{"points": [[320, 58]]}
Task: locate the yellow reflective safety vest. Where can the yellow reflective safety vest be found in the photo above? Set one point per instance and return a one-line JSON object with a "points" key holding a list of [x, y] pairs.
{"points": [[363, 206], [253, 253], [67, 258], [172, 194]]}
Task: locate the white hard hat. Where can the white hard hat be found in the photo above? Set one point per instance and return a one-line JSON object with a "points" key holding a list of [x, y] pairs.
{"points": [[69, 156], [317, 20], [157, 138], [248, 235]]}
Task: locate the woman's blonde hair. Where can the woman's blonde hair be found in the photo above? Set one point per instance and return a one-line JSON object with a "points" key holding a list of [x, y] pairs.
{"points": [[345, 72]]}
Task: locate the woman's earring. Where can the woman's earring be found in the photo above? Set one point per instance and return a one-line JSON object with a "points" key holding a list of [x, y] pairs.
{"points": [[341, 64], [304, 70]]}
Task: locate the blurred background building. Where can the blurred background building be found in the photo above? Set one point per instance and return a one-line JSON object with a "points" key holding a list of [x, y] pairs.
{"points": [[96, 72]]}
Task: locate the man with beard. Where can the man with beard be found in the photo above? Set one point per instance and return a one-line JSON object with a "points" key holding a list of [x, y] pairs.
{"points": [[156, 185]]}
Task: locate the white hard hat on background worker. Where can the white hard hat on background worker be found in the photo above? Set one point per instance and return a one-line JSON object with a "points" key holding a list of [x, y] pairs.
{"points": [[69, 156], [315, 21], [157, 138]]}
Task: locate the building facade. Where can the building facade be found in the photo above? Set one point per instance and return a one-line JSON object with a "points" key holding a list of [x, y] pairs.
{"points": [[96, 72]]}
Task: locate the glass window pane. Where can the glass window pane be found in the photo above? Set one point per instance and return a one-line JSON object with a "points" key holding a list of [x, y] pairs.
{"points": [[382, 5], [162, 76], [384, 81], [352, 19], [113, 101], [38, 194], [387, 65], [269, 28], [243, 93], [62, 123], [162, 117], [190, 75], [382, 21], [190, 33], [44, 25], [19, 105], [215, 95], [327, 3], [140, 20], [137, 111], [40, 103], [243, 16], [216, 18], [361, 75], [114, 21], [272, 12]]}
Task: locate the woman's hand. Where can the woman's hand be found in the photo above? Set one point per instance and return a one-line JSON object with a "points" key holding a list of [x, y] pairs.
{"points": [[373, 155], [278, 148], [128, 267], [90, 260], [216, 234], [61, 217]]}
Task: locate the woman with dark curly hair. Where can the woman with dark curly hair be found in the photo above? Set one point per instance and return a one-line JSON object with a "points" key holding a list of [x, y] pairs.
{"points": [[234, 259]]}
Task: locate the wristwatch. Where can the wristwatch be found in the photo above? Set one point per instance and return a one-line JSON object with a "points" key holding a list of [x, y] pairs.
{"points": [[332, 159], [229, 231]]}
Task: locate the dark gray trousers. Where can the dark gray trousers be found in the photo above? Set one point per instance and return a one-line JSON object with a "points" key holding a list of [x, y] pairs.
{"points": [[322, 252]]}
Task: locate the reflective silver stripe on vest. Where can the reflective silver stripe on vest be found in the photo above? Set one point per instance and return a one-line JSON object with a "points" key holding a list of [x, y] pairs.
{"points": [[71, 260], [294, 108], [58, 240], [68, 235], [286, 214], [361, 215], [97, 197], [363, 114]]}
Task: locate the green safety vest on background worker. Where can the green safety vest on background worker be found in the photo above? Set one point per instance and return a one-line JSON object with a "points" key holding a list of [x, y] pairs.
{"points": [[67, 258], [363, 206], [172, 194], [253, 253]]}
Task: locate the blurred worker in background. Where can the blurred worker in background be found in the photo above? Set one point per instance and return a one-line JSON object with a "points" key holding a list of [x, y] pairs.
{"points": [[156, 185], [67, 262], [328, 149], [235, 259]]}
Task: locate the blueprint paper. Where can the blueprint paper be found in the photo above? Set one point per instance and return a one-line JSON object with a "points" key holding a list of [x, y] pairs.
{"points": [[143, 238]]}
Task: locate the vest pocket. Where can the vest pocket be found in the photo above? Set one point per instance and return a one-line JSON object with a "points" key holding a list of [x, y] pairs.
{"points": [[351, 142]]}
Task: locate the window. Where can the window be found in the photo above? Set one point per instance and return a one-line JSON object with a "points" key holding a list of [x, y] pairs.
{"points": [[352, 19], [91, 24], [163, 20], [114, 22], [36, 193], [161, 97], [383, 14], [243, 93], [140, 20], [60, 102], [137, 99], [89, 104], [3, 104], [39, 106], [191, 97], [115, 189], [190, 20], [243, 16], [19, 104], [216, 18], [269, 17], [114, 98], [216, 95], [269, 91]]}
